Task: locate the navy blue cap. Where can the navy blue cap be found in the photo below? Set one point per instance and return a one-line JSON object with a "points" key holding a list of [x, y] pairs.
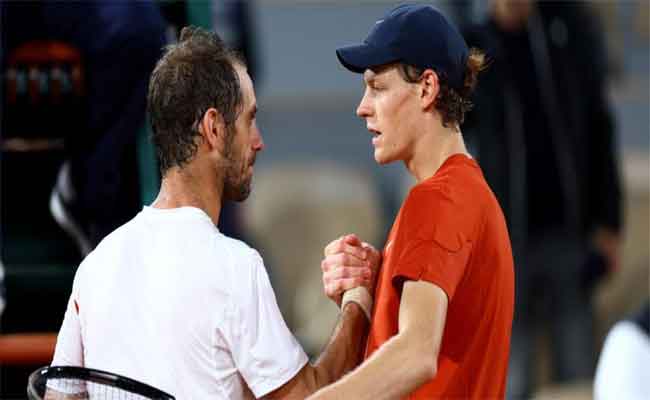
{"points": [[418, 35]]}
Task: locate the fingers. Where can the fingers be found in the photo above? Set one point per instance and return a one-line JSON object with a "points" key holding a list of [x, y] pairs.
{"points": [[331, 247], [337, 287], [352, 239], [343, 260], [348, 263], [370, 250], [348, 272], [348, 244], [342, 272], [372, 255]]}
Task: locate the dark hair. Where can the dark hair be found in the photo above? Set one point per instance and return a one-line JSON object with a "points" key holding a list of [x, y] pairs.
{"points": [[452, 104], [193, 75]]}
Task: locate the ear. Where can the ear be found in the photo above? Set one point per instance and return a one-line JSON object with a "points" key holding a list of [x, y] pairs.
{"points": [[213, 128], [429, 89]]}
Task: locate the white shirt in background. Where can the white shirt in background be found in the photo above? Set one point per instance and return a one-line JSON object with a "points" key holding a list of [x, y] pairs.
{"points": [[623, 370]]}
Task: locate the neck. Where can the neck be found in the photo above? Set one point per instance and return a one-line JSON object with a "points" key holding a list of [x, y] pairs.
{"points": [[432, 148], [187, 187]]}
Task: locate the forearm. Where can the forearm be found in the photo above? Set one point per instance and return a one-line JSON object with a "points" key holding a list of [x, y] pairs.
{"points": [[342, 353], [407, 360], [345, 349], [404, 363]]}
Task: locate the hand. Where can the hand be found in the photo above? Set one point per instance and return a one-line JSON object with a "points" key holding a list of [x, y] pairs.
{"points": [[349, 263], [608, 243]]}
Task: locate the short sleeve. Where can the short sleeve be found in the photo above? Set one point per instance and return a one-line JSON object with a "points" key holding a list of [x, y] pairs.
{"points": [[265, 352], [429, 261], [432, 240], [69, 345]]}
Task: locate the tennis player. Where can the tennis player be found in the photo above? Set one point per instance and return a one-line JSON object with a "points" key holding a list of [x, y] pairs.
{"points": [[168, 300], [444, 301]]}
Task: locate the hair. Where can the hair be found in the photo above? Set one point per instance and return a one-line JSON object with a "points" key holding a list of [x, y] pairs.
{"points": [[193, 75], [452, 104]]}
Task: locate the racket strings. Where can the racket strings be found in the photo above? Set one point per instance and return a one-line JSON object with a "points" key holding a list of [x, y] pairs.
{"points": [[77, 389]]}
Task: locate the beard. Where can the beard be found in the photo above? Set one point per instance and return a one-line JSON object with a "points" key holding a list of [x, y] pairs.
{"points": [[236, 185], [236, 182]]}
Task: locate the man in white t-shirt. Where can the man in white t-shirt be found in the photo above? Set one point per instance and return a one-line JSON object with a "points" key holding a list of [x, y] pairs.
{"points": [[167, 299], [623, 370]]}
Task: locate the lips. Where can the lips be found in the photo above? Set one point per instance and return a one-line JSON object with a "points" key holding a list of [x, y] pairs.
{"points": [[376, 135], [373, 130]]}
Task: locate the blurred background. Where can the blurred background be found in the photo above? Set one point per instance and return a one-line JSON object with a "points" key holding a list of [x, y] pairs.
{"points": [[76, 161]]}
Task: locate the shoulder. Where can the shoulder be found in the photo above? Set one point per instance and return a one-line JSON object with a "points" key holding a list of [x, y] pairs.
{"points": [[458, 184], [451, 203], [245, 266], [238, 251]]}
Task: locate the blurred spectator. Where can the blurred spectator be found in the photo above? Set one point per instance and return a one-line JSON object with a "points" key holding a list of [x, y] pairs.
{"points": [[2, 288], [232, 20], [544, 137], [2, 270], [98, 188], [623, 368]]}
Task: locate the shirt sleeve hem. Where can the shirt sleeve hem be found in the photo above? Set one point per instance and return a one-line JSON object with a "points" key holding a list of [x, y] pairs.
{"points": [[400, 277], [267, 384]]}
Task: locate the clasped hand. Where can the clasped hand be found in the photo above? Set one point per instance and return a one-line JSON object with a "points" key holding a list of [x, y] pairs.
{"points": [[348, 263]]}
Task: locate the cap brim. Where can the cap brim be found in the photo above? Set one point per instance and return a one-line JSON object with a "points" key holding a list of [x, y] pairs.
{"points": [[359, 57]]}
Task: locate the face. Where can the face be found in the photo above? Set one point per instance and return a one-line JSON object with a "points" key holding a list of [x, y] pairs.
{"points": [[511, 15], [389, 106], [245, 141]]}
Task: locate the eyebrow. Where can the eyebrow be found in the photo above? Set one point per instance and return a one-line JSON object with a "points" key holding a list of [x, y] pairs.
{"points": [[369, 77]]}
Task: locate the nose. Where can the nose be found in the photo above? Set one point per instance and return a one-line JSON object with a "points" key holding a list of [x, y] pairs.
{"points": [[258, 142], [364, 110]]}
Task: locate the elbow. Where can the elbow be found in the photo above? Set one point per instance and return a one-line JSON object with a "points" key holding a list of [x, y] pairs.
{"points": [[420, 358], [433, 367], [425, 365], [429, 361], [428, 369]]}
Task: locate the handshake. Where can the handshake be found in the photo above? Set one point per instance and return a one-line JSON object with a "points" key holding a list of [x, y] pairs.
{"points": [[350, 269]]}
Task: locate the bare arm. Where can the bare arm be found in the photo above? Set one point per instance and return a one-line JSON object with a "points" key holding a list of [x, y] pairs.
{"points": [[406, 361], [342, 354], [348, 263]]}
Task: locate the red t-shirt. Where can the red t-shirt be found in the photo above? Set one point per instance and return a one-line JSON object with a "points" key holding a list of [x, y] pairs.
{"points": [[451, 232]]}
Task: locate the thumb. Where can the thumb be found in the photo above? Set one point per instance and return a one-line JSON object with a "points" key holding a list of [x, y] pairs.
{"points": [[352, 240]]}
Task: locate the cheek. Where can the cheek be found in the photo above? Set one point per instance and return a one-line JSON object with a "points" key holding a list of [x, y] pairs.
{"points": [[391, 106], [244, 151]]}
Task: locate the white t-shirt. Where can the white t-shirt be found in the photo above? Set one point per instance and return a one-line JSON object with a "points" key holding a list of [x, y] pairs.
{"points": [[623, 370], [168, 300]]}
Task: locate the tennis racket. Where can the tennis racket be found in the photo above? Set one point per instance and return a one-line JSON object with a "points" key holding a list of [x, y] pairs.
{"points": [[74, 383]]}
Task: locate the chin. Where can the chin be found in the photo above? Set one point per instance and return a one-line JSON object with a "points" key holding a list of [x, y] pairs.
{"points": [[382, 159], [237, 193], [243, 193]]}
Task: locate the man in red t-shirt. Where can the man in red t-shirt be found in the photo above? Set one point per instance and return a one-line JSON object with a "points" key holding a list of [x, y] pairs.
{"points": [[445, 293]]}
